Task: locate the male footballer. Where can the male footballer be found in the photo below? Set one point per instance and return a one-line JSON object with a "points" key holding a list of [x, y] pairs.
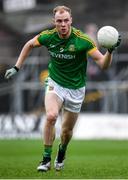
{"points": [[68, 48]]}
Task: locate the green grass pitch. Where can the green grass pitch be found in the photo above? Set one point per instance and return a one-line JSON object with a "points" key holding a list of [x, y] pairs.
{"points": [[88, 159]]}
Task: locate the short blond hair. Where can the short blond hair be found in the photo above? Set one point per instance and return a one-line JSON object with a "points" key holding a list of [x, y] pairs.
{"points": [[61, 9]]}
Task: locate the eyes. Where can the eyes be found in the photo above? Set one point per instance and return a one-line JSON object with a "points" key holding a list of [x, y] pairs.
{"points": [[60, 21]]}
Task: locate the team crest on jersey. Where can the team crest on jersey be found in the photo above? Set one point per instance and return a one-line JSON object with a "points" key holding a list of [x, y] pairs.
{"points": [[72, 48], [51, 88]]}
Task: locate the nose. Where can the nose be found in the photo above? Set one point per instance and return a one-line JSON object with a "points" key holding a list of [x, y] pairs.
{"points": [[63, 23]]}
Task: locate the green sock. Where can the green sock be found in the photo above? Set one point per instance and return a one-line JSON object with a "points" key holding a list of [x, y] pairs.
{"points": [[47, 151], [63, 147]]}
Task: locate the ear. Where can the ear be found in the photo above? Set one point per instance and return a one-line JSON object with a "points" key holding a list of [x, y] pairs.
{"points": [[53, 21]]}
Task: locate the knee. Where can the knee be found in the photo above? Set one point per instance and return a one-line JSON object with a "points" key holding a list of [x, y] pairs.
{"points": [[51, 117]]}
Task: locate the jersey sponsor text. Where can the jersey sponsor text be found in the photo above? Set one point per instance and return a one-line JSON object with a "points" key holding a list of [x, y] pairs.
{"points": [[62, 56]]}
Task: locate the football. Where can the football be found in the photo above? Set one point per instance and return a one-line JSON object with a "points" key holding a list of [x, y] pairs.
{"points": [[107, 36]]}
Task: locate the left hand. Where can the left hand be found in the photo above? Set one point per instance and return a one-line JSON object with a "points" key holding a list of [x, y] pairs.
{"points": [[110, 50]]}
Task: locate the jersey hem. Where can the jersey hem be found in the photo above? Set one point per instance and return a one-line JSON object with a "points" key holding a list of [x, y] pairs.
{"points": [[69, 87]]}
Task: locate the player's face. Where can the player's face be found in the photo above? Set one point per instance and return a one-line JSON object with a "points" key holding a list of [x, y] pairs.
{"points": [[63, 21]]}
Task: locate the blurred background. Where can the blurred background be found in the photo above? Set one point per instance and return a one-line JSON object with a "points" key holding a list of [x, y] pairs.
{"points": [[105, 108]]}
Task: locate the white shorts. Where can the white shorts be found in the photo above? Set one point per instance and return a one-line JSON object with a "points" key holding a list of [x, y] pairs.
{"points": [[72, 98]]}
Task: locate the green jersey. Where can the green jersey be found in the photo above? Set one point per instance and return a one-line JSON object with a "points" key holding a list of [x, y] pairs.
{"points": [[68, 57]]}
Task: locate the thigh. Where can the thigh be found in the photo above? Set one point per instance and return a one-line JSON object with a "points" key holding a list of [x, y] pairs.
{"points": [[69, 119], [52, 103], [53, 100]]}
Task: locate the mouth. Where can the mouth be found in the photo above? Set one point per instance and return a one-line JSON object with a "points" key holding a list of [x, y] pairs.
{"points": [[63, 30]]}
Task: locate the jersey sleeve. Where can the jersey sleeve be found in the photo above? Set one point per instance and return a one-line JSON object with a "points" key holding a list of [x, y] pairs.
{"points": [[92, 50], [43, 38], [91, 46]]}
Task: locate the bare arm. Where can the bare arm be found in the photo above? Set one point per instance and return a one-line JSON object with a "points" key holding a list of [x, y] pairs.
{"points": [[103, 61], [26, 50]]}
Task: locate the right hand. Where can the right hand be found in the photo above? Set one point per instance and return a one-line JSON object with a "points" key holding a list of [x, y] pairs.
{"points": [[11, 72]]}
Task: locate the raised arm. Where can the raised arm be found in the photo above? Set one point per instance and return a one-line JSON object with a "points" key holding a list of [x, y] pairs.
{"points": [[22, 57], [26, 51], [103, 61]]}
